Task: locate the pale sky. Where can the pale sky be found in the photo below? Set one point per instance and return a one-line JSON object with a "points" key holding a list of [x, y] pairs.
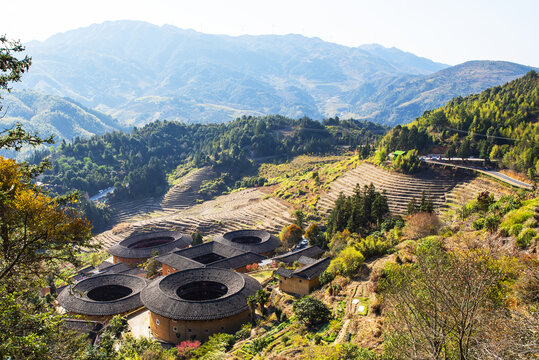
{"points": [[451, 32]]}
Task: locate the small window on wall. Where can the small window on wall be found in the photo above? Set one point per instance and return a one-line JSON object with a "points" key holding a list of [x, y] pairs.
{"points": [[189, 330], [157, 321], [300, 281], [168, 271], [206, 331]]}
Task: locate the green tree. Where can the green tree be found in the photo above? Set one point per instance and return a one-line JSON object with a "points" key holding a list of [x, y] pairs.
{"points": [[262, 297], [311, 311], [197, 238], [32, 329], [299, 220], [347, 263], [316, 236], [117, 325], [412, 207], [251, 301], [11, 67]]}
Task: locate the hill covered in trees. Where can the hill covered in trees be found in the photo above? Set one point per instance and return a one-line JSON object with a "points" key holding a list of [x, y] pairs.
{"points": [[49, 115], [501, 124], [137, 163], [138, 72]]}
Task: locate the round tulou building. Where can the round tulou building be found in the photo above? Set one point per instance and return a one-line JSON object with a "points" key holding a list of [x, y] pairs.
{"points": [[258, 241], [136, 249], [196, 303], [103, 296]]}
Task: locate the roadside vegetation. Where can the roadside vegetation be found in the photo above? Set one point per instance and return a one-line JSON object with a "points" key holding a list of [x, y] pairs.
{"points": [[498, 125]]}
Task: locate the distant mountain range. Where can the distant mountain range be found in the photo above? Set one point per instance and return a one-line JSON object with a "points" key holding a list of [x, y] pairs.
{"points": [[137, 72]]}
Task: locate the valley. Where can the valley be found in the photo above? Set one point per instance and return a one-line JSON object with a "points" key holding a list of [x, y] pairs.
{"points": [[257, 208]]}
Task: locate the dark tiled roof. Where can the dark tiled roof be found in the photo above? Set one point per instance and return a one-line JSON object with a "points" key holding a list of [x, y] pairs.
{"points": [[75, 299], [291, 256], [136, 272], [103, 266], [87, 270], [307, 272], [238, 261], [89, 328], [208, 248], [284, 272], [116, 269], [178, 262], [232, 258], [267, 242], [161, 298], [305, 260], [83, 326], [314, 270], [124, 250]]}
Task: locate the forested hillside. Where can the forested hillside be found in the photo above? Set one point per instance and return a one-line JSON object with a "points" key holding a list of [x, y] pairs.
{"points": [[51, 115], [137, 163], [500, 125]]}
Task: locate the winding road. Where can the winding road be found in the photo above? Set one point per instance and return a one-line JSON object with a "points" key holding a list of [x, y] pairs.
{"points": [[495, 174]]}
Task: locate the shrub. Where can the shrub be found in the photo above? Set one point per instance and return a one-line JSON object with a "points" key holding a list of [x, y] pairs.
{"points": [[421, 224], [347, 263], [257, 345], [252, 267], [117, 325], [311, 311], [243, 333], [334, 289], [479, 224], [531, 223], [525, 238], [316, 236], [407, 163], [197, 238], [515, 229], [217, 343], [326, 277], [375, 245], [484, 200], [278, 313], [492, 222], [186, 349]]}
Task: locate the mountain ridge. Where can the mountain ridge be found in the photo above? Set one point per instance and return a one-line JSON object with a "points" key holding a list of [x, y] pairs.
{"points": [[138, 72]]}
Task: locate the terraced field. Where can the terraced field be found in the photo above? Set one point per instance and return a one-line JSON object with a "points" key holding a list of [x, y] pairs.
{"points": [[252, 208], [243, 209], [466, 191], [179, 197], [400, 188]]}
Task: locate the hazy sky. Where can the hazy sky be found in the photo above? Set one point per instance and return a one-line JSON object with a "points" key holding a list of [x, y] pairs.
{"points": [[446, 31]]}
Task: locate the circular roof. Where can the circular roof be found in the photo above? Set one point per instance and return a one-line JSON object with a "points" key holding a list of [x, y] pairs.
{"points": [[144, 245], [103, 295], [257, 241], [224, 293]]}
